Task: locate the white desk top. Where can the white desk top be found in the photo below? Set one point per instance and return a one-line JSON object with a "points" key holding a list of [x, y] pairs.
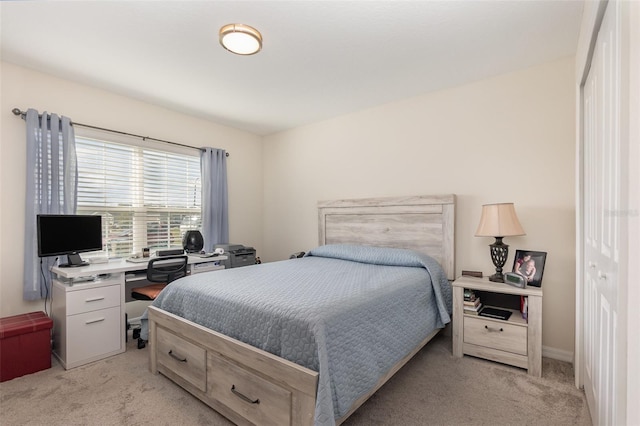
{"points": [[119, 265]]}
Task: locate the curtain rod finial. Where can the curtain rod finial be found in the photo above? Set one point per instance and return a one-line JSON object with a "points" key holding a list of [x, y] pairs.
{"points": [[16, 111]]}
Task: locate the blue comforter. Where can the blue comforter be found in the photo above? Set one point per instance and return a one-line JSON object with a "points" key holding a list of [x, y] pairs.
{"points": [[348, 312]]}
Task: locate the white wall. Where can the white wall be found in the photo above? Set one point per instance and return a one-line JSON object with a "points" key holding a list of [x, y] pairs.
{"points": [[504, 139], [23, 88], [509, 138]]}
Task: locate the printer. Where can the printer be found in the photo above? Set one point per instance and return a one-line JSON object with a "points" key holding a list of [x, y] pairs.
{"points": [[238, 255]]}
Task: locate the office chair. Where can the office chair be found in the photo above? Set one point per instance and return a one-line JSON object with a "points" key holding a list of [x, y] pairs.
{"points": [[161, 271]]}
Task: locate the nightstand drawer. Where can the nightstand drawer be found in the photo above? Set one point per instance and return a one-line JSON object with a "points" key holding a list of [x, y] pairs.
{"points": [[496, 335]]}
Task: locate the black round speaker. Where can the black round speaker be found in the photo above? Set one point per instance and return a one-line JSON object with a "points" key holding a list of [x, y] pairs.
{"points": [[192, 241]]}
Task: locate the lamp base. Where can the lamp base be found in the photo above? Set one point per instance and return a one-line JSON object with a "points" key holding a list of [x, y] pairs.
{"points": [[497, 278], [499, 253]]}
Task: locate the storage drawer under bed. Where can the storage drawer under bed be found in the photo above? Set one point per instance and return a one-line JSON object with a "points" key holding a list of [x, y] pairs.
{"points": [[240, 389], [258, 400], [182, 358]]}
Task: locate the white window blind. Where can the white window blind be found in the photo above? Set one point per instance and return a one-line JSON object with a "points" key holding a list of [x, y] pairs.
{"points": [[146, 197]]}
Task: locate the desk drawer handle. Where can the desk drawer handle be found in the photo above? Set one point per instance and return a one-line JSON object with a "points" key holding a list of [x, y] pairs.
{"points": [[95, 321], [243, 397], [176, 357], [490, 330], [95, 299]]}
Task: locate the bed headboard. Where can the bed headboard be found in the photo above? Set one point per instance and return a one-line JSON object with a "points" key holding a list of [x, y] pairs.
{"points": [[423, 223]]}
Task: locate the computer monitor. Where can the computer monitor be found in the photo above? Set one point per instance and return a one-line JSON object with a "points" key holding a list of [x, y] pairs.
{"points": [[68, 235]]}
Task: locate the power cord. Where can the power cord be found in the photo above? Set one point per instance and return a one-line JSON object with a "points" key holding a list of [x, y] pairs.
{"points": [[44, 279], [46, 287]]}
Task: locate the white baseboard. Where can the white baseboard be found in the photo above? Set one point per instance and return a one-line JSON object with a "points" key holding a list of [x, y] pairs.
{"points": [[558, 354]]}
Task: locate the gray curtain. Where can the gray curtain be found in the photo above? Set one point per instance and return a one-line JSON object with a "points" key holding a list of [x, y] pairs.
{"points": [[215, 204], [52, 182]]}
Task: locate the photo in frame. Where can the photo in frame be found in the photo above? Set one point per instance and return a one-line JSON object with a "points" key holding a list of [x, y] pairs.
{"points": [[530, 264]]}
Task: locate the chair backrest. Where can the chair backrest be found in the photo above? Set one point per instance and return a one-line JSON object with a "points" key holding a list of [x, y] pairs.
{"points": [[167, 269]]}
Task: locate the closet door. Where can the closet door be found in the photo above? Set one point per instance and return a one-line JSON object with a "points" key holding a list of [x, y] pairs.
{"points": [[601, 94]]}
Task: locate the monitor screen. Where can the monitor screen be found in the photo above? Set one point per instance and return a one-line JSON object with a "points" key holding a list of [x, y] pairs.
{"points": [[68, 234]]}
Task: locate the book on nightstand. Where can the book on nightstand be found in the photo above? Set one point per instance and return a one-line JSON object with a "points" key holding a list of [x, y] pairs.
{"points": [[471, 304], [473, 310], [524, 307]]}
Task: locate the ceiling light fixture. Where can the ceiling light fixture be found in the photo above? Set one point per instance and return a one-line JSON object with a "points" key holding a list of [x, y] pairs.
{"points": [[240, 39]]}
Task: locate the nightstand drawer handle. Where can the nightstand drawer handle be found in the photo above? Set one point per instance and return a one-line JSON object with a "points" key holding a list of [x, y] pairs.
{"points": [[176, 357], [490, 330]]}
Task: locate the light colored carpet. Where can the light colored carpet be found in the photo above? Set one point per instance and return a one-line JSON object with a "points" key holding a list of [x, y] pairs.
{"points": [[433, 388]]}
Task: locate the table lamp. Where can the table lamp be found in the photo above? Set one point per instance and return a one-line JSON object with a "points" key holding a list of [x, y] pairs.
{"points": [[499, 221]]}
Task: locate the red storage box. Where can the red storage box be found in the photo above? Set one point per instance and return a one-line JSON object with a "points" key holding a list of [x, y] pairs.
{"points": [[25, 344]]}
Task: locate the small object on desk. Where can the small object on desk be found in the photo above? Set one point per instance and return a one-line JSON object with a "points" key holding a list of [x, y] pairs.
{"points": [[495, 313], [477, 274], [170, 252], [145, 252], [82, 279], [137, 259], [203, 254]]}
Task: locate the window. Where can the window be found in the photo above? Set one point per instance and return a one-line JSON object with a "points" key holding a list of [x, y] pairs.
{"points": [[146, 197]]}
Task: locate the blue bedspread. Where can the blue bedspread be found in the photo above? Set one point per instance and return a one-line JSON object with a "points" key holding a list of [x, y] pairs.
{"points": [[348, 312]]}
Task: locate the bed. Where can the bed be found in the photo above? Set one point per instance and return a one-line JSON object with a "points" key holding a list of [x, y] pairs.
{"points": [[297, 357]]}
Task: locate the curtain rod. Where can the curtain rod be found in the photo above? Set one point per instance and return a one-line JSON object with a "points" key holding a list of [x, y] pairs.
{"points": [[22, 114]]}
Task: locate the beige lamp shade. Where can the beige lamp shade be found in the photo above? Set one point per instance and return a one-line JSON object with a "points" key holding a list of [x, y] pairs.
{"points": [[499, 220]]}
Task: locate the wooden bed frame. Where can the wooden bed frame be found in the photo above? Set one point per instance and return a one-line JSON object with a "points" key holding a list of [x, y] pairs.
{"points": [[251, 386]]}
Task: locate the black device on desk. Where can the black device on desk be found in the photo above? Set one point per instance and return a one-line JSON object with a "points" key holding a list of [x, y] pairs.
{"points": [[238, 255], [192, 241], [174, 251]]}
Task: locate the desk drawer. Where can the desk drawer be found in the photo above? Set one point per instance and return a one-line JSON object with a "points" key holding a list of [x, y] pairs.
{"points": [[92, 334], [92, 299], [496, 334], [254, 398], [183, 358]]}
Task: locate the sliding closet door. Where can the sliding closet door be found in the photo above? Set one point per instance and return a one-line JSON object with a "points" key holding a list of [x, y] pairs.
{"points": [[602, 224]]}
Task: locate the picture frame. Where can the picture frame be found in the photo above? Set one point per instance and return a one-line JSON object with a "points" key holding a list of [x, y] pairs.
{"points": [[530, 264]]}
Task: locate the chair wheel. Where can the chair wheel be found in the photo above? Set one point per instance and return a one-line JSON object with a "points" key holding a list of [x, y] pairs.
{"points": [[141, 344], [136, 333]]}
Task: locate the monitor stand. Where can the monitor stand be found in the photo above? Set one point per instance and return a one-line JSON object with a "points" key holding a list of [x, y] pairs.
{"points": [[74, 260]]}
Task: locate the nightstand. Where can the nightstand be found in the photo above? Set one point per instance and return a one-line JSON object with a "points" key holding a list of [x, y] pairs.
{"points": [[516, 341]]}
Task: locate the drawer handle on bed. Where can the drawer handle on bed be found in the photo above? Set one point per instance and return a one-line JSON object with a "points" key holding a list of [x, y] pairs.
{"points": [[489, 329], [174, 356], [243, 397]]}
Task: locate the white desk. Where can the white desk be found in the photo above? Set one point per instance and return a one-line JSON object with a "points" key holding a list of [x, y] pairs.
{"points": [[116, 266], [88, 307]]}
